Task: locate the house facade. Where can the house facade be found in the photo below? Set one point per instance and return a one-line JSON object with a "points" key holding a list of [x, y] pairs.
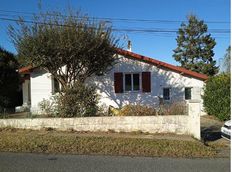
{"points": [[134, 79]]}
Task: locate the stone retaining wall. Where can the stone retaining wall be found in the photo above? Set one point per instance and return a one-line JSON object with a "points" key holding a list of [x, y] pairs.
{"points": [[179, 124]]}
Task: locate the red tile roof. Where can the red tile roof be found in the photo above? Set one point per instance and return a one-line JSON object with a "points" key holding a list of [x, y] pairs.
{"points": [[158, 63], [26, 69], [145, 59]]}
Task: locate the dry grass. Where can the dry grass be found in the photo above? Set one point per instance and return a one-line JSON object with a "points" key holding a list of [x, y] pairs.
{"points": [[45, 141]]}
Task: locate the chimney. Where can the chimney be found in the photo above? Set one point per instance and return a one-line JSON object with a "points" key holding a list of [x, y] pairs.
{"points": [[129, 45]]}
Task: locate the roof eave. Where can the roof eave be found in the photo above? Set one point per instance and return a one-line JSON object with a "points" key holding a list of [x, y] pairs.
{"points": [[149, 60], [25, 70], [182, 71]]}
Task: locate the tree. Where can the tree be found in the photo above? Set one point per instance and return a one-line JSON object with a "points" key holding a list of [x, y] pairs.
{"points": [[9, 80], [72, 48], [195, 47], [217, 96], [227, 60]]}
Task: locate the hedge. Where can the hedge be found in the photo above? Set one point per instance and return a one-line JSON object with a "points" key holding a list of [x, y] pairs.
{"points": [[217, 96]]}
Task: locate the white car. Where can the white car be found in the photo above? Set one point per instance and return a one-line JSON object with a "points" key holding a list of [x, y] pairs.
{"points": [[226, 130]]}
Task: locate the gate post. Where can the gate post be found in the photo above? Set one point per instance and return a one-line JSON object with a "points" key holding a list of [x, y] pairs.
{"points": [[194, 112]]}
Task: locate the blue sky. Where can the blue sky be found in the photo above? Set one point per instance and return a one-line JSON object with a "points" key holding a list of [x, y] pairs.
{"points": [[156, 45]]}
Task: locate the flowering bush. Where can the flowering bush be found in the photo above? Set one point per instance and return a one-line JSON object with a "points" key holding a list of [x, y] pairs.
{"points": [[49, 107]]}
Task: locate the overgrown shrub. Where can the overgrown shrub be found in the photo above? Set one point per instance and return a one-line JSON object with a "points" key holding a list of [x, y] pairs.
{"points": [[78, 101], [217, 96], [136, 110], [175, 108]]}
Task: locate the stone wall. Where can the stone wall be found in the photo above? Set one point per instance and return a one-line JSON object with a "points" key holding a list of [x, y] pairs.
{"points": [[179, 124]]}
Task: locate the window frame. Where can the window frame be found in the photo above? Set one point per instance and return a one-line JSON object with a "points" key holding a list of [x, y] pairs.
{"points": [[190, 93], [54, 90], [169, 88], [124, 82], [132, 81]]}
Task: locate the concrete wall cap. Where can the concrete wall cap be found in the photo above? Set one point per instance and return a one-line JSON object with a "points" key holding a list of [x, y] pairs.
{"points": [[194, 101]]}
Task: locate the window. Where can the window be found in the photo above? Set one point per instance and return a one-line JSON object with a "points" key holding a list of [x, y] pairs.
{"points": [[136, 82], [188, 94], [128, 86], [56, 86], [166, 93], [132, 82]]}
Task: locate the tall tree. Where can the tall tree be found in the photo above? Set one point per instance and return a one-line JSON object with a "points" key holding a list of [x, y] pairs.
{"points": [[195, 47], [227, 60], [71, 47], [9, 80]]}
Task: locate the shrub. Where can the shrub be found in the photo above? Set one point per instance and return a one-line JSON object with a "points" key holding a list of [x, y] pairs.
{"points": [[217, 96], [103, 110], [137, 110], [49, 107], [9, 82], [78, 101], [175, 108]]}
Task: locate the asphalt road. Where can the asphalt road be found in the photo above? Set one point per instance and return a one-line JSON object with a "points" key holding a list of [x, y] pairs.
{"points": [[22, 162]]}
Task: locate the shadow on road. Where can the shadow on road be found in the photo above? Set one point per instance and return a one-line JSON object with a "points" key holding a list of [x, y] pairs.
{"points": [[210, 129], [211, 133]]}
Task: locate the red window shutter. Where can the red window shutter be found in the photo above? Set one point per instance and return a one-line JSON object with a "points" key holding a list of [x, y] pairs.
{"points": [[118, 82], [146, 81]]}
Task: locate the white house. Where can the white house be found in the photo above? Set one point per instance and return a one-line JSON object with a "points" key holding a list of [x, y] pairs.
{"points": [[135, 79]]}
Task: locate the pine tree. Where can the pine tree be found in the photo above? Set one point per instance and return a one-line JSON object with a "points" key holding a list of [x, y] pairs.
{"points": [[195, 47]]}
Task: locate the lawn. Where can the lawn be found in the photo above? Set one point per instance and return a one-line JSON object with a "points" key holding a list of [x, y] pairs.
{"points": [[50, 141]]}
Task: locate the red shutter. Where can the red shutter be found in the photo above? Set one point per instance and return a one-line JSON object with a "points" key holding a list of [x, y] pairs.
{"points": [[118, 82], [146, 81]]}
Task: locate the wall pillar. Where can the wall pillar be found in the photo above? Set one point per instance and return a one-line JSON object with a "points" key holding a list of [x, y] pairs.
{"points": [[194, 112]]}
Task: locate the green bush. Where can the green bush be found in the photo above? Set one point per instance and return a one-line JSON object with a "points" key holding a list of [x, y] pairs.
{"points": [[136, 110], [9, 82], [78, 101], [217, 96]]}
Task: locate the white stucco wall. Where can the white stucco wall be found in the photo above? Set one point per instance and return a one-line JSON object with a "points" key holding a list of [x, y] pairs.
{"points": [[41, 85], [160, 78], [41, 88]]}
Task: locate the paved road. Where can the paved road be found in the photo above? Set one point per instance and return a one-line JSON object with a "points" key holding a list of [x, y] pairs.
{"points": [[19, 162]]}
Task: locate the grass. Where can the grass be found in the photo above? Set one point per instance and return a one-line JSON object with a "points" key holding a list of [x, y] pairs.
{"points": [[47, 141]]}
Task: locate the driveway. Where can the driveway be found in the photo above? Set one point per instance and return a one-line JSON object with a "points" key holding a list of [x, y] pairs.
{"points": [[211, 134], [18, 162]]}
